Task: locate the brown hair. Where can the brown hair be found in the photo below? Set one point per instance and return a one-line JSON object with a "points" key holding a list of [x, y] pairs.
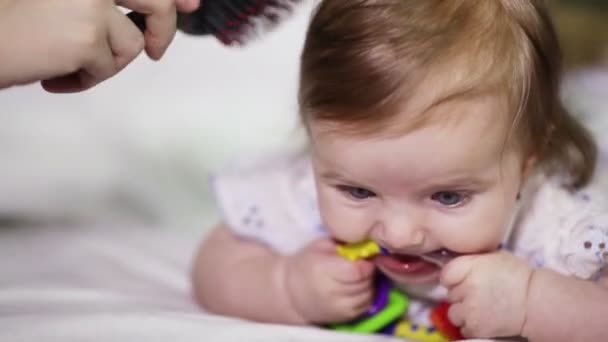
{"points": [[363, 59]]}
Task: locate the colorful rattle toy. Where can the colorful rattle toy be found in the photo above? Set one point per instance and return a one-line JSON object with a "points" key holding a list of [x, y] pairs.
{"points": [[439, 317], [360, 250], [391, 304]]}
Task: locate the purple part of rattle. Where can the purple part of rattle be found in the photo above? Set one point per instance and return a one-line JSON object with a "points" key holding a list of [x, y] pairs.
{"points": [[382, 290], [390, 328], [384, 251]]}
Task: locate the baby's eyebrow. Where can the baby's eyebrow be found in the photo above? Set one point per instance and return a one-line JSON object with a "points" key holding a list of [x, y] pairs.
{"points": [[335, 176], [339, 177], [462, 181], [331, 174]]}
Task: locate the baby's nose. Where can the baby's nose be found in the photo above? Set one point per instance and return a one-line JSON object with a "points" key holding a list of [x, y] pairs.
{"points": [[398, 231]]}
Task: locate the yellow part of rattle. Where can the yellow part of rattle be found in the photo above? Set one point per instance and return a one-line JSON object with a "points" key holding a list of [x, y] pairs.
{"points": [[418, 332], [359, 250]]}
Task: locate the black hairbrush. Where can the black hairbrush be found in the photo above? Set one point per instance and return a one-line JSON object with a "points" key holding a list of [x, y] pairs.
{"points": [[233, 22]]}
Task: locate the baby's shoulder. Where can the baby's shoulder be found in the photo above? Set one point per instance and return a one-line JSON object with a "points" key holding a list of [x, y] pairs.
{"points": [[270, 199]]}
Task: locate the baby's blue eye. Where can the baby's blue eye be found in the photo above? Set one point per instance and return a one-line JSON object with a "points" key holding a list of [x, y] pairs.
{"points": [[448, 198], [356, 192]]}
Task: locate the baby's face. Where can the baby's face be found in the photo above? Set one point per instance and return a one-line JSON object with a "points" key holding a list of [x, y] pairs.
{"points": [[449, 184]]}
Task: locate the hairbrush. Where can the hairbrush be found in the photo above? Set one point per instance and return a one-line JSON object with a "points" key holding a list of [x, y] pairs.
{"points": [[232, 22]]}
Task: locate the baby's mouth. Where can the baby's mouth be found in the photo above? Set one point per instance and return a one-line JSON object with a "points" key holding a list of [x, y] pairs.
{"points": [[408, 264], [440, 257]]}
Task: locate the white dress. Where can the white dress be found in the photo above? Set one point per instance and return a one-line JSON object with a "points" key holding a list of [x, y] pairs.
{"points": [[274, 201]]}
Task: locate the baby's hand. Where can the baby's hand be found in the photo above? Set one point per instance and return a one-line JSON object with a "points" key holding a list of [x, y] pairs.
{"points": [[488, 294], [326, 288]]}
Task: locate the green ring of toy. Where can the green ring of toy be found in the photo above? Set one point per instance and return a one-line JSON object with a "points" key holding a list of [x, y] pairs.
{"points": [[394, 309]]}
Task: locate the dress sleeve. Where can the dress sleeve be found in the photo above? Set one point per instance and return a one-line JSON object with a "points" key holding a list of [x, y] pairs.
{"points": [[563, 230], [272, 201]]}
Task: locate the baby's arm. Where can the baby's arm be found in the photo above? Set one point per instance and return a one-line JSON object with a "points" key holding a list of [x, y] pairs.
{"points": [[242, 278], [562, 308]]}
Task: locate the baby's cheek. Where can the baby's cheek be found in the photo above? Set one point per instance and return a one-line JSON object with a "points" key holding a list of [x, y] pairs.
{"points": [[475, 233], [345, 223]]}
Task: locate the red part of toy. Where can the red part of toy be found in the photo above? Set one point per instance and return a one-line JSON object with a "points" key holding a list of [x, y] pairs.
{"points": [[439, 318]]}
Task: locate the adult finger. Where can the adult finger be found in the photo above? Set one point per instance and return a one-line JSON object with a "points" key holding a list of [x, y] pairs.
{"points": [[126, 41], [99, 67], [63, 84], [187, 5], [161, 23]]}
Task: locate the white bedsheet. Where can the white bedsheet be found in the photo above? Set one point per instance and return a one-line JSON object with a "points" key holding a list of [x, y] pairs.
{"points": [[116, 284]]}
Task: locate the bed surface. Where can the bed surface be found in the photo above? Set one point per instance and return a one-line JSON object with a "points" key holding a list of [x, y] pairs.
{"points": [[121, 283]]}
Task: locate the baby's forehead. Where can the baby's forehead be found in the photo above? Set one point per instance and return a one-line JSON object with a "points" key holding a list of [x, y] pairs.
{"points": [[458, 132], [447, 94], [472, 144], [487, 115]]}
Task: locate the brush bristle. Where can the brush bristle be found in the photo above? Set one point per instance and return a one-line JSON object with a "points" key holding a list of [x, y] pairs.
{"points": [[234, 22]]}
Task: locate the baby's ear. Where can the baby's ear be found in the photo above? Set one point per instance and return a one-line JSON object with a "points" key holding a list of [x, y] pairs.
{"points": [[527, 166]]}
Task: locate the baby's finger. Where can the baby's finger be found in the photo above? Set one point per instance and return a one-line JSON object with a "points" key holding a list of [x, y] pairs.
{"points": [[365, 304], [324, 245], [347, 272], [356, 288], [456, 271], [355, 304], [466, 332], [457, 293], [456, 314], [366, 268]]}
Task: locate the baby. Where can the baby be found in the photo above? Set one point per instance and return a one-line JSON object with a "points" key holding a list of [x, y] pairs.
{"points": [[433, 125]]}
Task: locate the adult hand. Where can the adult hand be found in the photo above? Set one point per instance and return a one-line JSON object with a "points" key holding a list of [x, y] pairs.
{"points": [[72, 45]]}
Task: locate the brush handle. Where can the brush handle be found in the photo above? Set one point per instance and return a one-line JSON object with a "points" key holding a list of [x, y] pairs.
{"points": [[232, 22], [138, 19], [190, 23]]}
